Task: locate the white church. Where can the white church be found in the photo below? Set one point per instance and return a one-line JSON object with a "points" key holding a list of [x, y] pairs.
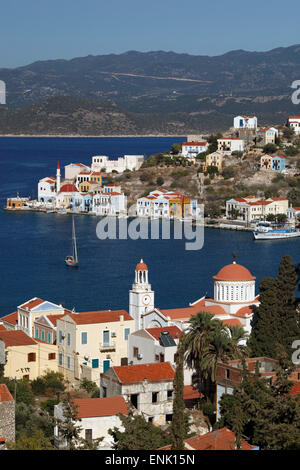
{"points": [[234, 301]]}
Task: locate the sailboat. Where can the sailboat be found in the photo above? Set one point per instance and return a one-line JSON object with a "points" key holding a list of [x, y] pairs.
{"points": [[73, 260]]}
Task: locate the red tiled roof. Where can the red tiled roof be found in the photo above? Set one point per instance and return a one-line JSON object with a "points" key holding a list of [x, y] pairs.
{"points": [[5, 394], [232, 322], [190, 393], [68, 188], [151, 372], [2, 328], [141, 266], [295, 390], [96, 407], [16, 338], [32, 303], [195, 144], [11, 318], [234, 272], [221, 439], [101, 316], [173, 331], [244, 311]]}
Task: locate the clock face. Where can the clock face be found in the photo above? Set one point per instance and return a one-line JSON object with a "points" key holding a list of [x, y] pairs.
{"points": [[146, 299]]}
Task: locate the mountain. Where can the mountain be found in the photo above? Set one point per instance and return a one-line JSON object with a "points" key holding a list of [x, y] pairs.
{"points": [[163, 86]]}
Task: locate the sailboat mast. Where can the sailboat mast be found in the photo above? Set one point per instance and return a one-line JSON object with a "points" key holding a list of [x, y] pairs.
{"points": [[74, 242]]}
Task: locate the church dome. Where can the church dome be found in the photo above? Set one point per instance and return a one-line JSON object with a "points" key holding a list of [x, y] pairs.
{"points": [[141, 266], [234, 272]]}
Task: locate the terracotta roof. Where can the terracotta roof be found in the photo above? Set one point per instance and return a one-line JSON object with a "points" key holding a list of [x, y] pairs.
{"points": [[281, 198], [232, 322], [151, 372], [32, 303], [101, 316], [244, 311], [141, 266], [16, 338], [11, 318], [195, 144], [234, 272], [2, 328], [68, 188], [5, 393], [96, 407], [190, 393], [295, 390], [173, 331], [221, 439]]}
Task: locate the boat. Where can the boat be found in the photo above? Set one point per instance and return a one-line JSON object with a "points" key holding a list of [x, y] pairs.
{"points": [[72, 260], [275, 230]]}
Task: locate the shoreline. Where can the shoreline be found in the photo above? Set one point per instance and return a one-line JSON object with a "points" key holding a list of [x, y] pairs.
{"points": [[92, 136]]}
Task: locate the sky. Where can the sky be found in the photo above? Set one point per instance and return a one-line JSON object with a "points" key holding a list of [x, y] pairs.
{"points": [[32, 30]]}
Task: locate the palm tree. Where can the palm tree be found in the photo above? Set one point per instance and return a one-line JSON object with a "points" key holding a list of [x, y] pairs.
{"points": [[238, 337]]}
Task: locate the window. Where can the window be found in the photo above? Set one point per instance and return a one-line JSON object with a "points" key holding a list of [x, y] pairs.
{"points": [[104, 392], [154, 397], [83, 337], [150, 420], [135, 352], [169, 418], [68, 362], [106, 337], [49, 337], [43, 335], [134, 400], [60, 360], [31, 357], [51, 356], [37, 333], [157, 357], [95, 363], [88, 434], [59, 336], [170, 394], [68, 339], [227, 373], [126, 333]]}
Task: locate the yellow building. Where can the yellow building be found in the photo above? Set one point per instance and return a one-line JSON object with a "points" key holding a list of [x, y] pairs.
{"points": [[214, 159], [15, 202], [26, 357], [179, 206], [91, 342]]}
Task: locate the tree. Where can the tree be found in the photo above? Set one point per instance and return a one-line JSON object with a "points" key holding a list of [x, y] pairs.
{"points": [[178, 422], [138, 434], [90, 387], [228, 172], [176, 148], [270, 148], [35, 442], [160, 181], [265, 323], [68, 427]]}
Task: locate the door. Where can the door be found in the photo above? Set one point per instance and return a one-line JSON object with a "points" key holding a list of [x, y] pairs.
{"points": [[105, 338], [106, 365]]}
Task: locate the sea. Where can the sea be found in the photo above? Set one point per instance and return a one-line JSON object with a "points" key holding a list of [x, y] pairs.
{"points": [[33, 245]]}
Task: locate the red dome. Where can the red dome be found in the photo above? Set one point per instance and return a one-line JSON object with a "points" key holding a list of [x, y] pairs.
{"points": [[68, 188], [141, 266], [234, 272]]}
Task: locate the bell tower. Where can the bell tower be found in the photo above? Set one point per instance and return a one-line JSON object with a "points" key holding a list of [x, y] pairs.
{"points": [[58, 178], [141, 297]]}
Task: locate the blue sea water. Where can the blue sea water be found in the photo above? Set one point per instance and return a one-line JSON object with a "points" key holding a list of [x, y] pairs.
{"points": [[33, 245]]}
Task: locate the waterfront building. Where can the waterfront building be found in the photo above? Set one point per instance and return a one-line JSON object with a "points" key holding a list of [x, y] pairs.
{"points": [[293, 214], [294, 123], [252, 208], [109, 203], [148, 388], [245, 122], [47, 190], [65, 196], [192, 149], [82, 202], [27, 358], [161, 203], [95, 417], [15, 202], [230, 144], [90, 342]]}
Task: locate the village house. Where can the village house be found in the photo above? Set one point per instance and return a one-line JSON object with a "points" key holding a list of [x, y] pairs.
{"points": [[252, 208], [91, 342], [109, 203], [148, 389], [230, 144], [192, 149], [47, 190], [245, 122], [27, 357], [15, 202], [45, 327], [73, 169], [128, 162], [97, 416], [7, 416], [293, 214], [161, 203], [272, 162], [294, 123], [214, 159], [266, 135]]}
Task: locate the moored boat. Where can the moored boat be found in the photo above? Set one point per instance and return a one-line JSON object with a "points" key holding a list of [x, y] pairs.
{"points": [[273, 231]]}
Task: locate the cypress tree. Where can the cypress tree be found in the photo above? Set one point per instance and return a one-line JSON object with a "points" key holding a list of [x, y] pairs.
{"points": [[178, 426], [265, 328], [288, 318]]}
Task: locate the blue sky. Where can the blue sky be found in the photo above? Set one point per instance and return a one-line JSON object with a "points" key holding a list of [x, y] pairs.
{"points": [[33, 30]]}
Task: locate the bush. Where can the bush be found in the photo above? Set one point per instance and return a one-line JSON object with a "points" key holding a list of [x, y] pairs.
{"points": [[90, 387], [48, 405], [160, 181], [270, 148], [228, 172]]}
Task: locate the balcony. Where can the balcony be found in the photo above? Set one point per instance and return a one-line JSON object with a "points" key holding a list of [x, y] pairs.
{"points": [[107, 346]]}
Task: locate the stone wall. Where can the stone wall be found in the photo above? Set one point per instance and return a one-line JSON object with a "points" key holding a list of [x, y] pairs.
{"points": [[7, 420]]}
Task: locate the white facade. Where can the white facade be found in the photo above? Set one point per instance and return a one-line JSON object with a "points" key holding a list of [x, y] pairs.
{"points": [[109, 203], [294, 122], [231, 145], [73, 169], [141, 296], [192, 149], [245, 122], [47, 190], [128, 162]]}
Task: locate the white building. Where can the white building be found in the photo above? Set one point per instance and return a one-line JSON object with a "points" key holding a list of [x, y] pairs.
{"points": [[109, 203], [65, 196], [73, 169], [293, 214], [47, 190], [192, 149], [294, 122], [229, 145], [245, 122], [95, 417], [128, 162], [251, 208]]}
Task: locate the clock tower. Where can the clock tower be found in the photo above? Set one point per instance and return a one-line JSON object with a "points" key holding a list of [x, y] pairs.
{"points": [[141, 297]]}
